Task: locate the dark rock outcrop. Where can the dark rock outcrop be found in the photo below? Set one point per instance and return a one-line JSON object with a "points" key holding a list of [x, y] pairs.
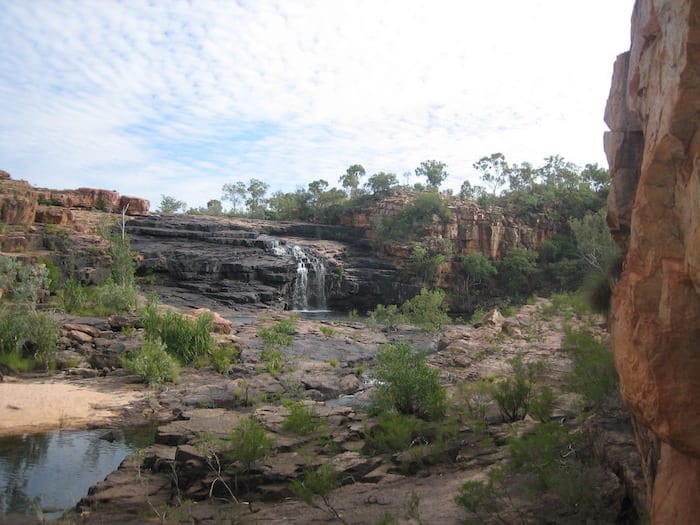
{"points": [[654, 155], [247, 264]]}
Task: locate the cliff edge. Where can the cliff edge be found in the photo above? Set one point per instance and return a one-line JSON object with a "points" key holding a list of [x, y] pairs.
{"points": [[653, 151]]}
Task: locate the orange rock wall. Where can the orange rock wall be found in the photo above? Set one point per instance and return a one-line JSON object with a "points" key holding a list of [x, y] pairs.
{"points": [[653, 150]]}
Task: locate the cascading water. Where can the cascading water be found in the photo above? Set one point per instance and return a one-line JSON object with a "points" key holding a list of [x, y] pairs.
{"points": [[309, 286]]}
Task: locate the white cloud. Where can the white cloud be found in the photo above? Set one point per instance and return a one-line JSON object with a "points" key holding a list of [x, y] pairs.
{"points": [[179, 98]]}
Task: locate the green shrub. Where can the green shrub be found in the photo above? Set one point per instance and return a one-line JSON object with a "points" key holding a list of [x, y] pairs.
{"points": [[43, 339], [541, 452], [25, 284], [319, 483], [186, 338], [112, 298], [514, 394], [542, 404], [223, 356], [327, 331], [407, 384], [302, 419], [28, 339], [427, 310], [152, 363], [273, 361], [249, 442], [389, 316], [73, 297], [394, 433], [471, 400], [593, 374]]}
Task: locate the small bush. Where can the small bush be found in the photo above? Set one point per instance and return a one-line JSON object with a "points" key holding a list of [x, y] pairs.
{"points": [[389, 316], [28, 339], [541, 452], [327, 331], [514, 394], [301, 420], [472, 399], [427, 310], [319, 483], [249, 442], [593, 374], [152, 363], [273, 361], [222, 357], [542, 404], [394, 433], [186, 338], [408, 384]]}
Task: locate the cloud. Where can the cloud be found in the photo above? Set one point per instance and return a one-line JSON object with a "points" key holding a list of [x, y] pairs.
{"points": [[179, 98]]}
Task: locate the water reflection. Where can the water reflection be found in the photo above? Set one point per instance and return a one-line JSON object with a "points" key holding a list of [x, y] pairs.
{"points": [[45, 474]]}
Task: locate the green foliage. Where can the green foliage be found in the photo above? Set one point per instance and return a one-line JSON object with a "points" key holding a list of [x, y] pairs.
{"points": [[433, 171], [28, 339], [542, 404], [381, 183], [476, 270], [407, 384], [394, 432], [471, 401], [474, 495], [317, 483], [280, 334], [389, 316], [249, 442], [186, 338], [541, 452], [412, 220], [514, 394], [516, 269], [595, 245], [24, 284], [273, 361], [427, 310], [152, 363], [424, 264], [327, 331], [593, 374], [223, 356], [302, 419], [170, 204]]}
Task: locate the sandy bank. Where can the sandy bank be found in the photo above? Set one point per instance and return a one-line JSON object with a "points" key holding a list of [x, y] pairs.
{"points": [[41, 405]]}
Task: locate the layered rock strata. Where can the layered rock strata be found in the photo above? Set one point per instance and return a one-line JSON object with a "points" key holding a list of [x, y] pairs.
{"points": [[653, 150]]}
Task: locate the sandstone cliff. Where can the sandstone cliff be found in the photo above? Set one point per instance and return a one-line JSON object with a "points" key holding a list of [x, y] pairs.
{"points": [[653, 150]]}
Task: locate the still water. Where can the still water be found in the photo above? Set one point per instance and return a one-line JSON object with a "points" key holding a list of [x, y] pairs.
{"points": [[43, 475]]}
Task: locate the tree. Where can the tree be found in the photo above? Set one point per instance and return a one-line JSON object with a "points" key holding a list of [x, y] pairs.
{"points": [[516, 269], [434, 171], [595, 245], [350, 180], [468, 192], [494, 171], [381, 183], [425, 264], [214, 207], [234, 192], [255, 201], [476, 268], [170, 204]]}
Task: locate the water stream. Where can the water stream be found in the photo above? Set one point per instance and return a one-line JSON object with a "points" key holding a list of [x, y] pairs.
{"points": [[43, 475], [309, 286]]}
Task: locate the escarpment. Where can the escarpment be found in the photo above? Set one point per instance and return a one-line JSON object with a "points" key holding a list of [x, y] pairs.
{"points": [[653, 150]]}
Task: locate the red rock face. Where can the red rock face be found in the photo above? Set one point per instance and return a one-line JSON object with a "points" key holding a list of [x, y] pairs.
{"points": [[654, 214], [134, 205]]}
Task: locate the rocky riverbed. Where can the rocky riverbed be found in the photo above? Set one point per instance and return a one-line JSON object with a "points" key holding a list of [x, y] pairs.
{"points": [[183, 476]]}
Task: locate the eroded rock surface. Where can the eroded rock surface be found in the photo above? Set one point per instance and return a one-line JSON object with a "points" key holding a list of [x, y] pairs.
{"points": [[654, 214]]}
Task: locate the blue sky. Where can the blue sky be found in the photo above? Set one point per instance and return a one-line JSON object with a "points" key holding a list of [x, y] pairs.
{"points": [[180, 97]]}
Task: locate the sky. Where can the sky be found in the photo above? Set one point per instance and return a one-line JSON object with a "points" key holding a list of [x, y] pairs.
{"points": [[178, 98]]}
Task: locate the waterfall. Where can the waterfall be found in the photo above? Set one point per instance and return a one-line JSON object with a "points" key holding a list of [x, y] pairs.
{"points": [[309, 285]]}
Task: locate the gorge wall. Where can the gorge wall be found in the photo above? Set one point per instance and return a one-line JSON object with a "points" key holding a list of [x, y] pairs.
{"points": [[653, 150]]}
